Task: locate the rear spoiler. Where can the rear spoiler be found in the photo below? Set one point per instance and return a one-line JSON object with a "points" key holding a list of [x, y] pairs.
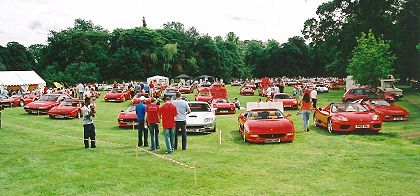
{"points": [[264, 105]]}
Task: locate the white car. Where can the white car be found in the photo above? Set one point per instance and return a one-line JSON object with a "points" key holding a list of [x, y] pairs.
{"points": [[321, 88], [202, 118]]}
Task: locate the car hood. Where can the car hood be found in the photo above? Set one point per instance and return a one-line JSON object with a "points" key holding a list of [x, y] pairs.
{"points": [[38, 104], [356, 116], [63, 109], [198, 117], [113, 95], [390, 110], [127, 115], [269, 126]]}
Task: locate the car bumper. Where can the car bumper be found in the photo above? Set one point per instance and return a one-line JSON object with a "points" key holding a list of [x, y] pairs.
{"points": [[113, 100], [127, 123], [201, 128], [390, 118], [61, 116], [36, 111], [225, 111], [270, 138], [247, 93], [346, 126]]}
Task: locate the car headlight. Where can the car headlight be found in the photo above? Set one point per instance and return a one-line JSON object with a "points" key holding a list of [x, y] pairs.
{"points": [[208, 120], [375, 117], [342, 118], [253, 135]]}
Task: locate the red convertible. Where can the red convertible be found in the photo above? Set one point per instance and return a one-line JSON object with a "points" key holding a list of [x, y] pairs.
{"points": [[186, 89], [128, 118], [117, 95], [223, 106], [23, 99], [345, 117], [265, 123], [67, 109], [136, 99], [247, 91], [386, 111], [288, 101], [45, 103]]}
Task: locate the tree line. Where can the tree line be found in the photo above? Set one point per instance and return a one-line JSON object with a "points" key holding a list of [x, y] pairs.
{"points": [[89, 53]]}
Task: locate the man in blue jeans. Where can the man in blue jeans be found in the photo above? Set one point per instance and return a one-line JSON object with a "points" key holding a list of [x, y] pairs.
{"points": [[141, 128], [183, 109]]}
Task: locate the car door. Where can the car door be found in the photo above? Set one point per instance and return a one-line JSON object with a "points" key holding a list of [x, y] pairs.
{"points": [[323, 114]]}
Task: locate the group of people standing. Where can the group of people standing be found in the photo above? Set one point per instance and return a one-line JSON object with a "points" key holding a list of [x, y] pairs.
{"points": [[173, 117]]}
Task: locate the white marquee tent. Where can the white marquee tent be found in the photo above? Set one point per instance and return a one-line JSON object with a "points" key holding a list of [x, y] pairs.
{"points": [[23, 79], [158, 80]]}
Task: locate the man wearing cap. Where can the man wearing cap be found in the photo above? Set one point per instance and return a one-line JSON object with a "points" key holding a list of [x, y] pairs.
{"points": [[142, 129]]}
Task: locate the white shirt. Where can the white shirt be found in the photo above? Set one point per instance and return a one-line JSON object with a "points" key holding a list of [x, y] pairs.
{"points": [[85, 112], [314, 94]]}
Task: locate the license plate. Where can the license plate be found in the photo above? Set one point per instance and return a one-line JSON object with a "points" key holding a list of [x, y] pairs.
{"points": [[362, 126], [287, 106], [59, 116], [398, 118], [111, 99], [34, 112], [132, 123], [272, 140], [224, 111]]}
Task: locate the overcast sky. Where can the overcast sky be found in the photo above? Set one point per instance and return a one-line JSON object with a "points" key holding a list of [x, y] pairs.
{"points": [[29, 21]]}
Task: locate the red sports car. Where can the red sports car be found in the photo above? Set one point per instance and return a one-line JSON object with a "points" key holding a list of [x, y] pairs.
{"points": [[265, 123], [333, 86], [5, 101], [223, 106], [117, 95], [128, 118], [235, 83], [250, 84], [340, 82], [67, 109], [365, 93], [136, 99], [386, 111], [45, 103], [288, 101], [23, 99], [204, 96], [186, 89], [345, 117], [247, 91]]}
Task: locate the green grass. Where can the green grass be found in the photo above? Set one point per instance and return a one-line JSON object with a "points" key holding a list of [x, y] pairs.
{"points": [[39, 161]]}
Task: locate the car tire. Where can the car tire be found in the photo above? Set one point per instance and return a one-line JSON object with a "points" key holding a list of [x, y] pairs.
{"points": [[315, 121], [330, 126], [21, 103], [349, 100]]}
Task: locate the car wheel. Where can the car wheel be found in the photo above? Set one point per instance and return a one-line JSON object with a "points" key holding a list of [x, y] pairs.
{"points": [[21, 103], [315, 121], [330, 126]]}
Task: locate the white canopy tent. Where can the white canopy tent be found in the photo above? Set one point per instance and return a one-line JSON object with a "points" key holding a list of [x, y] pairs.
{"points": [[158, 80], [23, 79]]}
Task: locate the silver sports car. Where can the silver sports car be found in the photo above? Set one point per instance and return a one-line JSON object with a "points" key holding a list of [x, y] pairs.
{"points": [[202, 118]]}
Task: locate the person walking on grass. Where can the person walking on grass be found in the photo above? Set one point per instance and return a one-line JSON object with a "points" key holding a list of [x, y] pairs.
{"points": [[181, 120], [88, 112], [152, 120], [167, 114], [141, 128], [306, 109]]}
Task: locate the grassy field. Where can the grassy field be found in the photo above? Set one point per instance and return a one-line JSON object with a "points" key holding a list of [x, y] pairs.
{"points": [[41, 156]]}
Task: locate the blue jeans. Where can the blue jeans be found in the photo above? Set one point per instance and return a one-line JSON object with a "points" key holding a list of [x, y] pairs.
{"points": [[154, 135], [169, 139], [305, 115]]}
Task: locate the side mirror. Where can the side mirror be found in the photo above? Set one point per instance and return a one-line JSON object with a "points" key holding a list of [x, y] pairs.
{"points": [[288, 115], [245, 115], [122, 110], [319, 108]]}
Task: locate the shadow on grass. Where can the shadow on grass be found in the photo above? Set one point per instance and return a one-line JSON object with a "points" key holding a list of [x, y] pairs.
{"points": [[324, 131]]}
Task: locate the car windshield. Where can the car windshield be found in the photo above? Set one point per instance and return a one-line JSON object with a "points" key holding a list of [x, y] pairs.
{"points": [[320, 85], [69, 103], [379, 102], [266, 114], [144, 95], [347, 107], [220, 101], [199, 107], [116, 91], [49, 98], [282, 96], [131, 109]]}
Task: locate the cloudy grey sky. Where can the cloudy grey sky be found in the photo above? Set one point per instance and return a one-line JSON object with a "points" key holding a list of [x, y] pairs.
{"points": [[29, 21]]}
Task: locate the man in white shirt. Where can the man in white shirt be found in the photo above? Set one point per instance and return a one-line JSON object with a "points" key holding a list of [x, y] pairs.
{"points": [[88, 112], [181, 120], [314, 97], [80, 88]]}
